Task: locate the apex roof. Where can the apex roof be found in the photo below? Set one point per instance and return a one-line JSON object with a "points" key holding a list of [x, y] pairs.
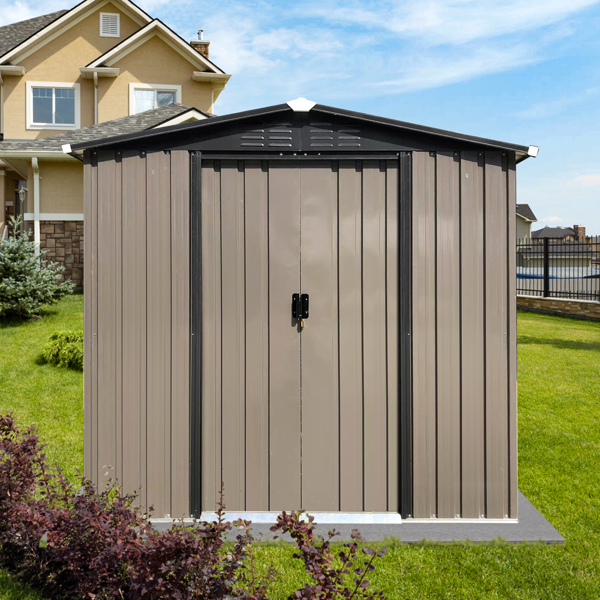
{"points": [[524, 210], [302, 127]]}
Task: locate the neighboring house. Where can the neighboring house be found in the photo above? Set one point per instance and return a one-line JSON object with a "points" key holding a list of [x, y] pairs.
{"points": [[564, 234], [525, 218], [86, 71]]}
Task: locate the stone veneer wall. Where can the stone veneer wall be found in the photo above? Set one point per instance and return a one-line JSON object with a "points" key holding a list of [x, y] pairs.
{"points": [[63, 243], [583, 309]]}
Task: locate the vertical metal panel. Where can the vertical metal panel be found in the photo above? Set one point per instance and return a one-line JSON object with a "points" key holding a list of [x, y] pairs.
{"points": [[512, 338], [196, 368], [180, 332], [350, 336], [119, 315], [374, 306], [496, 252], [472, 336], [284, 275], [406, 335], [233, 335], [211, 336], [424, 335], [319, 339], [90, 206], [448, 334], [158, 467], [108, 304], [257, 336], [392, 248], [134, 324]]}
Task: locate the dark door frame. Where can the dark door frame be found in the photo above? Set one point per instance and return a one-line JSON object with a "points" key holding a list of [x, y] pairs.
{"points": [[405, 317]]}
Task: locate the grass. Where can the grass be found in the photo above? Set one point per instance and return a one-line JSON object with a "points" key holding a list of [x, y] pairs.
{"points": [[559, 458], [41, 394]]}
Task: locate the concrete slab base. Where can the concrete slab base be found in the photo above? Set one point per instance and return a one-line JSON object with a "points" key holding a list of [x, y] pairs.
{"points": [[530, 527]]}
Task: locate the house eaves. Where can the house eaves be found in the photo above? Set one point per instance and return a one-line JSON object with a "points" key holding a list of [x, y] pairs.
{"points": [[155, 27], [66, 20]]}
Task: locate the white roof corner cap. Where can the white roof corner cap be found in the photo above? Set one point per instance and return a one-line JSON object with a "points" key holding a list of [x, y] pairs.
{"points": [[533, 151], [301, 105], [66, 148]]}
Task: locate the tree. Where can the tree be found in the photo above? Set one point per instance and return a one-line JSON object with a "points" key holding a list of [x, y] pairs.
{"points": [[27, 282]]}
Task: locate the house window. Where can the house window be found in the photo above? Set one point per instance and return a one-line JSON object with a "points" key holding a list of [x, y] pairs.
{"points": [[144, 97], [110, 25], [52, 105]]}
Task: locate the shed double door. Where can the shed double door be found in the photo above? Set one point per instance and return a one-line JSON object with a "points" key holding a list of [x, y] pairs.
{"points": [[300, 418]]}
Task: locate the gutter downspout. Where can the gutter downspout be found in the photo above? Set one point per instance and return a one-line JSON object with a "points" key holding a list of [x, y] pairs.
{"points": [[36, 204], [95, 97]]}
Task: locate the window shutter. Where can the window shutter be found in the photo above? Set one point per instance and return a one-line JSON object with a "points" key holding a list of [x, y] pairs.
{"points": [[109, 25]]}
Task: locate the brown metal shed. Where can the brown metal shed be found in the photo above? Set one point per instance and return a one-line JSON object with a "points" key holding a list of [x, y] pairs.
{"points": [[312, 305]]}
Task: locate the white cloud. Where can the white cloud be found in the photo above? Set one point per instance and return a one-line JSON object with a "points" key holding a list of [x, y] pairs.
{"points": [[438, 22], [588, 180], [552, 220]]}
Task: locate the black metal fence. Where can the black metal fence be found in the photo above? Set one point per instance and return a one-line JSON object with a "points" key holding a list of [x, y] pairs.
{"points": [[559, 269]]}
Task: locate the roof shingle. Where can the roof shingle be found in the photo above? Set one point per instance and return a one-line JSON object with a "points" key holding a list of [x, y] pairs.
{"points": [[524, 210], [553, 233], [130, 124], [15, 33]]}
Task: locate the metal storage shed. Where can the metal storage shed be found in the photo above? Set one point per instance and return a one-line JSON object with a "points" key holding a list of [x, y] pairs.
{"points": [[312, 305]]}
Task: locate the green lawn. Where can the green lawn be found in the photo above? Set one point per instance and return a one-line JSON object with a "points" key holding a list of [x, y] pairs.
{"points": [[40, 394], [559, 461]]}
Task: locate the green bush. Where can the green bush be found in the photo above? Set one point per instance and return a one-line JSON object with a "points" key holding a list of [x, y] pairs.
{"points": [[65, 349], [27, 282]]}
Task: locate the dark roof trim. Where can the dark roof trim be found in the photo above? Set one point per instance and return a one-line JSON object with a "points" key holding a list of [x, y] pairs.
{"points": [[326, 110], [269, 110]]}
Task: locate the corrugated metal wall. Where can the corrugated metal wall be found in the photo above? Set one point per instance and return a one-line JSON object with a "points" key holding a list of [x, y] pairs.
{"points": [[464, 335], [136, 378]]}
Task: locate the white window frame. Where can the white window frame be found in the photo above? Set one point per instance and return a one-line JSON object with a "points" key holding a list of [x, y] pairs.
{"points": [[167, 87], [57, 85], [102, 14]]}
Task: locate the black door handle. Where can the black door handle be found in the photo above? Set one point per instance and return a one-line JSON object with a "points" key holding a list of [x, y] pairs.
{"points": [[296, 306], [304, 302]]}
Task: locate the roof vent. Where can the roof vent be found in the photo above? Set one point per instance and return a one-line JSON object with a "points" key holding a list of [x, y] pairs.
{"points": [[110, 25], [301, 105]]}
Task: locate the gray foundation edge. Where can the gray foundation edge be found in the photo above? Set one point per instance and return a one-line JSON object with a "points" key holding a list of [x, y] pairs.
{"points": [[532, 526]]}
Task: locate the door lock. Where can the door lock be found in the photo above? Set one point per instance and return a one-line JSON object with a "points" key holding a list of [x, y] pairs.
{"points": [[300, 308]]}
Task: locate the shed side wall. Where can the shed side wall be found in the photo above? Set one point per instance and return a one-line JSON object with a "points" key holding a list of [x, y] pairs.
{"points": [[464, 335], [136, 404]]}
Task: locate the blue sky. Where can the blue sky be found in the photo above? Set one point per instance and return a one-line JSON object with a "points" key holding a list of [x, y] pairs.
{"points": [[524, 72]]}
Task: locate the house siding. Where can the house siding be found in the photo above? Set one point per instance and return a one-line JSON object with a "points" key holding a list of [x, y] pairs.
{"points": [[59, 60]]}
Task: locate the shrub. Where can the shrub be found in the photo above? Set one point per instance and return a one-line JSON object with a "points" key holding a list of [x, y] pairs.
{"points": [[79, 543], [65, 349], [27, 282]]}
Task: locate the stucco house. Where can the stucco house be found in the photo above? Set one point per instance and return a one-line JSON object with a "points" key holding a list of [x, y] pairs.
{"points": [[96, 70], [525, 218]]}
